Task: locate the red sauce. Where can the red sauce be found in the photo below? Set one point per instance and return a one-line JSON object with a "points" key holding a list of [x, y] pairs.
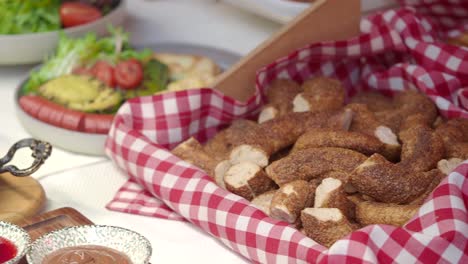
{"points": [[7, 250]]}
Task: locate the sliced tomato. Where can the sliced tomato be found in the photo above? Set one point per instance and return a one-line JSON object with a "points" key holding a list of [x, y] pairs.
{"points": [[104, 72], [129, 74], [98, 123], [76, 13]]}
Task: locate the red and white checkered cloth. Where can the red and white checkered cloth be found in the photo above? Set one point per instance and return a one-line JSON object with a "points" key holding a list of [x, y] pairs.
{"points": [[398, 49]]}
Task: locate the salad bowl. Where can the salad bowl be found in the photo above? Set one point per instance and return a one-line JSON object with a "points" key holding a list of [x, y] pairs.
{"points": [[92, 143], [32, 48]]}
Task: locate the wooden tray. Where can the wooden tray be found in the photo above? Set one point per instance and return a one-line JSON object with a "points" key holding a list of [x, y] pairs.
{"points": [[50, 221]]}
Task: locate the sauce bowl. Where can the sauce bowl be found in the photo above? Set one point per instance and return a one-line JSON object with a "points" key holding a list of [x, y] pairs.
{"points": [[18, 236], [135, 246]]}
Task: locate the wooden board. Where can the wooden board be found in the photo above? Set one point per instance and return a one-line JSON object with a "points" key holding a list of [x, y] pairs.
{"points": [[324, 20], [21, 197], [44, 223], [57, 219]]}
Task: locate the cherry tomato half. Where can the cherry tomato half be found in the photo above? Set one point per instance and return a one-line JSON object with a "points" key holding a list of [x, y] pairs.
{"points": [[129, 74], [104, 72], [76, 13]]}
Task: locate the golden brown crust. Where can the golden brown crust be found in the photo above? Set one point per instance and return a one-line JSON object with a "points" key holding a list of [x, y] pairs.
{"points": [[422, 148], [413, 102], [459, 150], [359, 142], [192, 152], [290, 199], [450, 132], [388, 182], [310, 163], [364, 120], [259, 143], [280, 154], [374, 101], [370, 213], [263, 201], [454, 134], [281, 93], [281, 132], [325, 232], [339, 175], [222, 143], [437, 176], [414, 121], [408, 103], [243, 191], [320, 94], [331, 194], [461, 124], [248, 180]]}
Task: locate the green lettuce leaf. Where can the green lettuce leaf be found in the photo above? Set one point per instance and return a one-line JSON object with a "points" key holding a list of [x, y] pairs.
{"points": [[84, 52], [20, 16]]}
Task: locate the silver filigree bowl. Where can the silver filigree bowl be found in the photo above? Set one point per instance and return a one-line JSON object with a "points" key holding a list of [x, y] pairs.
{"points": [[135, 246], [18, 236]]}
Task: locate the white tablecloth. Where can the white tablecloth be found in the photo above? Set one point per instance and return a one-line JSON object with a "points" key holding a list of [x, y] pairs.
{"points": [[88, 183]]}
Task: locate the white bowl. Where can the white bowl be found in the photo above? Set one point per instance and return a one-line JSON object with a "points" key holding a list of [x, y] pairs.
{"points": [[18, 236], [74, 141], [34, 47], [132, 244], [93, 144]]}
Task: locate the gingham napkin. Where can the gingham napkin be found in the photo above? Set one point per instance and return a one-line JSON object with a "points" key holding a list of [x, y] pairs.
{"points": [[398, 49]]}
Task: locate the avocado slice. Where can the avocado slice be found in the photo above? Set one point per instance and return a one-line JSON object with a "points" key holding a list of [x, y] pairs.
{"points": [[81, 93]]}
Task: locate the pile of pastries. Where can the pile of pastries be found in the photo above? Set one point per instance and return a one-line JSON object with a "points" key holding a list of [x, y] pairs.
{"points": [[329, 167]]}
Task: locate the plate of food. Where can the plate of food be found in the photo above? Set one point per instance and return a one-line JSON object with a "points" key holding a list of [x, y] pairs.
{"points": [[70, 100], [25, 22]]}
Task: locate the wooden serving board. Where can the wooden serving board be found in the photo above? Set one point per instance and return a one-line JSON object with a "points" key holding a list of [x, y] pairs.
{"points": [[57, 219], [21, 197]]}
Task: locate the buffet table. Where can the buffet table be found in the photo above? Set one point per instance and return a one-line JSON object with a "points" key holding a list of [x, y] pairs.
{"points": [[88, 183]]}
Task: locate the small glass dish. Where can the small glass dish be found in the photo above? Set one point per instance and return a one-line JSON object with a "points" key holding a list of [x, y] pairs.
{"points": [[135, 246], [18, 236]]}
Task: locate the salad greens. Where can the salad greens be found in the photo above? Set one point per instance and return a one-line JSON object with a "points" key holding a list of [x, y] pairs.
{"points": [[85, 51], [21, 16]]}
